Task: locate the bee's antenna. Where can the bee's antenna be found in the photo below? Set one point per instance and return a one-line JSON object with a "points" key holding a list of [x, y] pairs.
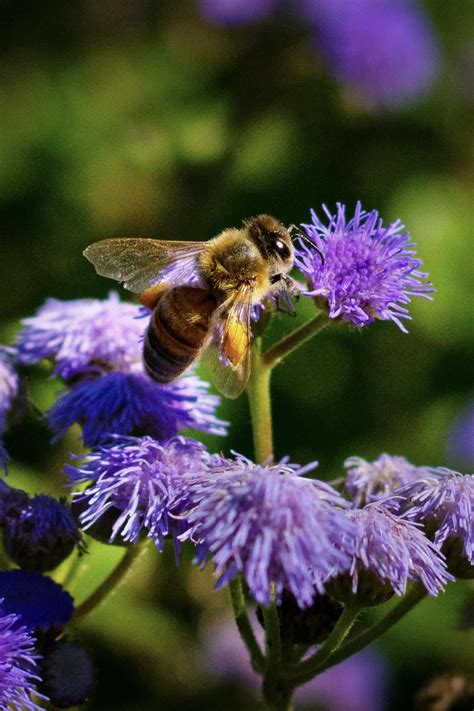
{"points": [[296, 232]]}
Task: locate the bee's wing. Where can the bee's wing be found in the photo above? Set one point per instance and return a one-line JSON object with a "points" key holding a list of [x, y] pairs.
{"points": [[141, 263], [228, 353]]}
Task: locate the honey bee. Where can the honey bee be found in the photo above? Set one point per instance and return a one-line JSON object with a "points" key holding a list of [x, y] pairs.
{"points": [[202, 294]]}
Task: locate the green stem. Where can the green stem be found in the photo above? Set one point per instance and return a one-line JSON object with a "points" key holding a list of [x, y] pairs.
{"points": [[311, 666], [258, 391], [75, 566], [272, 635], [412, 598], [277, 352], [111, 583], [244, 626]]}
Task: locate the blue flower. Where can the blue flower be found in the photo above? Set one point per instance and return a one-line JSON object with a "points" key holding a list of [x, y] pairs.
{"points": [[41, 603], [135, 482], [18, 665], [388, 552], [236, 12], [9, 394], [84, 336], [133, 404], [371, 481], [359, 270], [269, 523], [39, 532], [385, 50], [444, 504]]}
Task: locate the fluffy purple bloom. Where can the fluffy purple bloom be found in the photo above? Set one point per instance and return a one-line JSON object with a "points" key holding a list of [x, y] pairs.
{"points": [[270, 524], [385, 50], [371, 481], [18, 665], [359, 270], [9, 393], [84, 336], [461, 437], [38, 532], [40, 602], [393, 551], [137, 481], [360, 683], [444, 503], [236, 12], [133, 404]]}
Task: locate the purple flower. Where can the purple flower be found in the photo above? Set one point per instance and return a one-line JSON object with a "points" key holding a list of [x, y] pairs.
{"points": [[384, 49], [39, 601], [371, 481], [39, 532], [9, 393], [135, 481], [461, 437], [133, 404], [18, 665], [359, 270], [236, 12], [270, 524], [358, 684], [389, 553], [84, 336], [444, 504]]}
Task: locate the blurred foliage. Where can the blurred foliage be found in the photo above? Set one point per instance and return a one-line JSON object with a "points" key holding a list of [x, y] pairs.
{"points": [[139, 118]]}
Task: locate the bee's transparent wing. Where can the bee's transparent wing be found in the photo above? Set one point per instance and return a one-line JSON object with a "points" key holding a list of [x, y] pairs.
{"points": [[228, 353], [141, 263]]}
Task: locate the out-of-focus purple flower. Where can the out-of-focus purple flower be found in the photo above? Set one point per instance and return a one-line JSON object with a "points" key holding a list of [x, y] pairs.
{"points": [[371, 481], [18, 665], [385, 50], [390, 551], [39, 532], [236, 12], [84, 336], [9, 393], [270, 524], [444, 504], [137, 480], [359, 270], [40, 602], [133, 404], [360, 683], [461, 437]]}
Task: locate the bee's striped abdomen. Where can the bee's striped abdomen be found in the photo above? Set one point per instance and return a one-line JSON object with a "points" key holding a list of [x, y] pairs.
{"points": [[178, 327]]}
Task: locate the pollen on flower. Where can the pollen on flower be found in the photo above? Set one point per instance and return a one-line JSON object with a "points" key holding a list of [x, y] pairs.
{"points": [[360, 271]]}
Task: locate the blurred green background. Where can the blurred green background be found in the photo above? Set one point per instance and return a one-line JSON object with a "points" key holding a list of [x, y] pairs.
{"points": [[139, 118]]}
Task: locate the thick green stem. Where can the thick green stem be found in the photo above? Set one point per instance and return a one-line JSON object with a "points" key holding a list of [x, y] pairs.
{"points": [[272, 635], [258, 391], [111, 583], [244, 626], [311, 666], [412, 598], [277, 352]]}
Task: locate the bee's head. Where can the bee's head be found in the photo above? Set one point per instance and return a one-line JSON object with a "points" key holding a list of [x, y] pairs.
{"points": [[273, 241]]}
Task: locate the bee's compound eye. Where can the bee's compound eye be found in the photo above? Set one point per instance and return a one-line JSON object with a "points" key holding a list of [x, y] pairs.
{"points": [[281, 249]]}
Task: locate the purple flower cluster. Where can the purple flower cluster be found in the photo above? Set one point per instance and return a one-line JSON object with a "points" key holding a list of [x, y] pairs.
{"points": [[387, 553], [132, 485], [358, 270], [18, 665], [367, 482], [96, 347], [282, 531], [385, 51]]}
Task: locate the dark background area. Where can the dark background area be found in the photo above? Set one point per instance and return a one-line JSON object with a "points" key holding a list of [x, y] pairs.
{"points": [[141, 118]]}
